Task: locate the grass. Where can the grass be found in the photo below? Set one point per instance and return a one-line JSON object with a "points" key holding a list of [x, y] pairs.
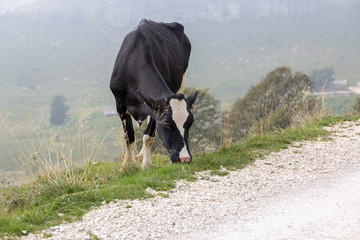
{"points": [[34, 206], [37, 205], [20, 142]]}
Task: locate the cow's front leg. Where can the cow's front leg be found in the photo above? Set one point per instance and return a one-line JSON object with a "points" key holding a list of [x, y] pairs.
{"points": [[129, 135], [146, 150], [148, 140]]}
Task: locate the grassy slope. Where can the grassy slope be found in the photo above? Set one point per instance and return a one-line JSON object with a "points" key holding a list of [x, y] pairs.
{"points": [[41, 204]]}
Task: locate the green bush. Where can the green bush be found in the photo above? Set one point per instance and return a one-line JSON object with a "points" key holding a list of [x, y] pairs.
{"points": [[280, 119], [270, 104]]}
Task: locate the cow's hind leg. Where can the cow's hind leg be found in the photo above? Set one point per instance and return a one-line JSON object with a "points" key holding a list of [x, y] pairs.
{"points": [[129, 134], [148, 140]]}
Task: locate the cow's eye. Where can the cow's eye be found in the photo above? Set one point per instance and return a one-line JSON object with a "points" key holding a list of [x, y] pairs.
{"points": [[166, 125]]}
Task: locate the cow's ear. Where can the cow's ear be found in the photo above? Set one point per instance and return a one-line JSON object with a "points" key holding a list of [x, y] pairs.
{"points": [[191, 99], [154, 104]]}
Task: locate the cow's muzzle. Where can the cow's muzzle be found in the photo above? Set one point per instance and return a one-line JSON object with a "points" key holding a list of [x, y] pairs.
{"points": [[185, 159]]}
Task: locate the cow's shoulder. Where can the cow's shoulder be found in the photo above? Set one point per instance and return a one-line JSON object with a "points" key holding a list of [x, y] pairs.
{"points": [[177, 29]]}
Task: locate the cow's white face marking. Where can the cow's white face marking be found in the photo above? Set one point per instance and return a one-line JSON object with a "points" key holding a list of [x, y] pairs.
{"points": [[179, 115], [184, 153]]}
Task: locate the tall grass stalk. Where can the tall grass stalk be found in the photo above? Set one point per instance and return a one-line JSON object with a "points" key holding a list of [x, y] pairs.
{"points": [[226, 129], [60, 158]]}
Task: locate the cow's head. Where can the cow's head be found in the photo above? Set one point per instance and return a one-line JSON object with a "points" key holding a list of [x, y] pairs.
{"points": [[174, 121]]}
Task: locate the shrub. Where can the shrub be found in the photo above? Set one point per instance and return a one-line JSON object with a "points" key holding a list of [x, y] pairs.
{"points": [[206, 130], [270, 104], [322, 78]]}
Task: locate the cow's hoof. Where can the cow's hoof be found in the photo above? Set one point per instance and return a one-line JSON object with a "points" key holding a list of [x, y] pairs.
{"points": [[129, 166], [144, 166]]}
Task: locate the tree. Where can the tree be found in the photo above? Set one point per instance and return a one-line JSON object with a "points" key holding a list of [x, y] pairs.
{"points": [[206, 130], [322, 78], [269, 105], [58, 110]]}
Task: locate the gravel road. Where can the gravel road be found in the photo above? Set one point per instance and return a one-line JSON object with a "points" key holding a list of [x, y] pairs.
{"points": [[309, 191]]}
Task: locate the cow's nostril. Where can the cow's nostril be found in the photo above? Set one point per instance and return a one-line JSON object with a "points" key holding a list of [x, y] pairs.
{"points": [[185, 159]]}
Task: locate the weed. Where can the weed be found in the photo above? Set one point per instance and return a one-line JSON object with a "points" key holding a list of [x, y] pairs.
{"points": [[94, 237], [164, 195], [47, 235], [219, 173]]}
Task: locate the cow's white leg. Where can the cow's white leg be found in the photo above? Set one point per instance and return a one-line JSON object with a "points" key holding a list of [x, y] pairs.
{"points": [[129, 154], [141, 153], [146, 150], [129, 134]]}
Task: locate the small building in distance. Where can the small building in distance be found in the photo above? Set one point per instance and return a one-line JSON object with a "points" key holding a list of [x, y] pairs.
{"points": [[337, 88], [110, 110], [338, 85]]}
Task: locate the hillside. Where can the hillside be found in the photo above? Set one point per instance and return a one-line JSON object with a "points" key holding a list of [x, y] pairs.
{"points": [[61, 47], [234, 44]]}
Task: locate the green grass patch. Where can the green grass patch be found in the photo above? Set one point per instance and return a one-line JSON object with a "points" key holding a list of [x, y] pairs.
{"points": [[36, 205], [219, 173], [94, 237]]}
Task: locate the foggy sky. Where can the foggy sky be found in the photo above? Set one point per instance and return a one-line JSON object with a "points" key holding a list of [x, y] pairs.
{"points": [[11, 5]]}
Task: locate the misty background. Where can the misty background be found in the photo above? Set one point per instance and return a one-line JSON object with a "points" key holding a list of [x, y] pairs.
{"points": [[68, 48]]}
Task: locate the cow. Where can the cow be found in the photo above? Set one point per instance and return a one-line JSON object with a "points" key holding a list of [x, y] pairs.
{"points": [[147, 82]]}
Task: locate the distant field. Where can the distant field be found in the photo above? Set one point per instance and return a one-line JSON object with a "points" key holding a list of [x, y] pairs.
{"points": [[227, 57], [100, 137], [239, 54]]}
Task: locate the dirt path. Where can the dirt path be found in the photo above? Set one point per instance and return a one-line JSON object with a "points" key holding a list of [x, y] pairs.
{"points": [[309, 191], [325, 209]]}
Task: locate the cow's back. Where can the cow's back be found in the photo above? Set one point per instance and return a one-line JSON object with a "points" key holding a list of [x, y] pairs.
{"points": [[151, 56], [170, 50]]}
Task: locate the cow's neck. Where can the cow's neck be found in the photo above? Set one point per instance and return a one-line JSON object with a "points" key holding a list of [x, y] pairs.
{"points": [[156, 90]]}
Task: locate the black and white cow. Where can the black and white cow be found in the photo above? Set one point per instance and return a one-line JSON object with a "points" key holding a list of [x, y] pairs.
{"points": [[147, 80]]}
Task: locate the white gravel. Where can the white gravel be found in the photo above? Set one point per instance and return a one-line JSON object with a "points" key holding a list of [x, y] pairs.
{"points": [[309, 191]]}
